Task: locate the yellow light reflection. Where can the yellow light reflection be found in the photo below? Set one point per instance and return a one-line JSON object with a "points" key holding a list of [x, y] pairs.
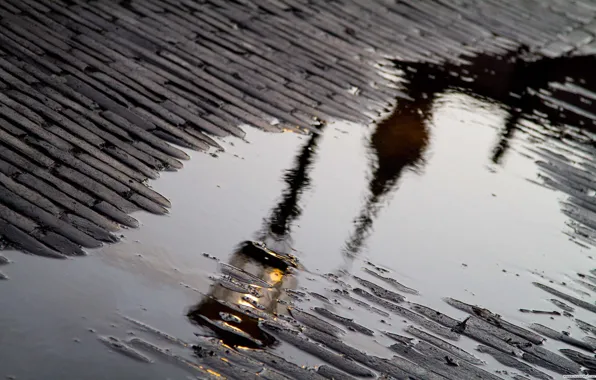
{"points": [[212, 372], [248, 304], [275, 276]]}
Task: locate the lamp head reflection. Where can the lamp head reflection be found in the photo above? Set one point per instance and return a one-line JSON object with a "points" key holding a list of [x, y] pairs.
{"points": [[250, 289]]}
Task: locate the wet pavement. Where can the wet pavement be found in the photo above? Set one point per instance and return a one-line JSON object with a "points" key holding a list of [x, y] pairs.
{"points": [[441, 217], [451, 238]]}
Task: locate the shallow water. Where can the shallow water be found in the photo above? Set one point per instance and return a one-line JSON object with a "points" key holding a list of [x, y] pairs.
{"points": [[443, 195]]}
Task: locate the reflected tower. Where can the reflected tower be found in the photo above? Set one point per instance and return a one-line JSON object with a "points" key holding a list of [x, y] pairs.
{"points": [[396, 145], [519, 84]]}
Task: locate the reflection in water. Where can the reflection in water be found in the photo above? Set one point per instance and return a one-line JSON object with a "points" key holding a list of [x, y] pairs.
{"points": [[523, 87], [233, 307], [549, 98], [549, 92], [277, 229], [397, 144], [233, 313], [542, 92], [399, 141]]}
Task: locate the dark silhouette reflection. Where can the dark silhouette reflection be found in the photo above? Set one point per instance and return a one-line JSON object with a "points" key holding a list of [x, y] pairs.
{"points": [[555, 94], [398, 143], [520, 85], [277, 229], [234, 313]]}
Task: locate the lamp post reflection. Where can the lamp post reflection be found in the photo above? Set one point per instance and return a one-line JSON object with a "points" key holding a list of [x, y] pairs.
{"points": [[258, 271]]}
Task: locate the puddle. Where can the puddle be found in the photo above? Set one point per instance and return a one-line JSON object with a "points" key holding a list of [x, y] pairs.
{"points": [[475, 189]]}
